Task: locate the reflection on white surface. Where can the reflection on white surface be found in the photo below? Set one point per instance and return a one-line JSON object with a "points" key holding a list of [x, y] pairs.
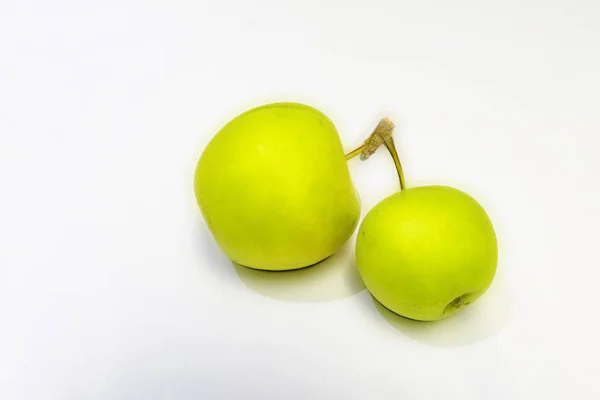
{"points": [[483, 319], [333, 278]]}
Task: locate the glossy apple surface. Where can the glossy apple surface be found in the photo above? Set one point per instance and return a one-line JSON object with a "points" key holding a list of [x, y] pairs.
{"points": [[427, 251], [275, 190]]}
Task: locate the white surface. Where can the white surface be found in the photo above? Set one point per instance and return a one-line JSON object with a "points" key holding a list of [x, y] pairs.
{"points": [[111, 287]]}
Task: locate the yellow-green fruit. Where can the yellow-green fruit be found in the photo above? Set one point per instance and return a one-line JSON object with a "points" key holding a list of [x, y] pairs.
{"points": [[275, 190], [427, 251]]}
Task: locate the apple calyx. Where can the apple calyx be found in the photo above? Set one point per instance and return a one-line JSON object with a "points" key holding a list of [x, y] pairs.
{"points": [[382, 134]]}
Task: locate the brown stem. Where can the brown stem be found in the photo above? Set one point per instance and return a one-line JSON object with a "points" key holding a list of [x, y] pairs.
{"points": [[381, 135]]}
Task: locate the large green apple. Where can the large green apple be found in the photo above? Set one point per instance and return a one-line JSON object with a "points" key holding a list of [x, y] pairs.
{"points": [[275, 190], [424, 252]]}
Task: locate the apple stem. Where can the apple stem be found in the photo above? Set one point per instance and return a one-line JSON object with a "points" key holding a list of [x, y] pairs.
{"points": [[381, 135], [355, 152]]}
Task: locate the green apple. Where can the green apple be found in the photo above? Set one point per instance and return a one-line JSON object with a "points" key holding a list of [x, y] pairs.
{"points": [[275, 190], [427, 251]]}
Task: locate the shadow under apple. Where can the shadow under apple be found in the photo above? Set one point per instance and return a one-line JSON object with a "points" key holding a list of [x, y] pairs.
{"points": [[482, 319], [331, 279]]}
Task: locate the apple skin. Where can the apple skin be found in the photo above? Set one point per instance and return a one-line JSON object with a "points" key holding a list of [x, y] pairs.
{"points": [[275, 190], [427, 251]]}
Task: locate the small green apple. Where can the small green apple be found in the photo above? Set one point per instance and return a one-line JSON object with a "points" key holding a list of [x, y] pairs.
{"points": [[427, 251], [275, 190]]}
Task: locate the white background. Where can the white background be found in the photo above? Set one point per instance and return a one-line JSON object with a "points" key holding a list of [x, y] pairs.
{"points": [[112, 288]]}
